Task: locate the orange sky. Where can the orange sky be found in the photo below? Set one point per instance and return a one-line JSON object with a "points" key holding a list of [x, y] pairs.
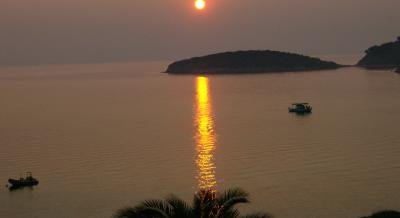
{"points": [[68, 31]]}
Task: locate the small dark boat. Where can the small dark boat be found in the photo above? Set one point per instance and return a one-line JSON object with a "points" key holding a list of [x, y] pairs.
{"points": [[23, 182], [397, 70], [300, 108]]}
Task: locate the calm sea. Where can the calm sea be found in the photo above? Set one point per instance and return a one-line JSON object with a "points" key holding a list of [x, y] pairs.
{"points": [[103, 136]]}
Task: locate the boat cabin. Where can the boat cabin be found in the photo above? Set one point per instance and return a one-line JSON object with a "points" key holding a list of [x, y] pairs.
{"points": [[300, 108]]}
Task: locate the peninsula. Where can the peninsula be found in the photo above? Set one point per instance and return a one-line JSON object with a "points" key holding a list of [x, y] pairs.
{"points": [[249, 62], [385, 56]]}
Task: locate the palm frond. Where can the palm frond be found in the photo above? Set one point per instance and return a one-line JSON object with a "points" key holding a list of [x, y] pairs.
{"points": [[230, 198], [257, 215], [127, 212], [207, 203], [233, 213], [179, 207], [232, 193], [204, 203], [154, 208]]}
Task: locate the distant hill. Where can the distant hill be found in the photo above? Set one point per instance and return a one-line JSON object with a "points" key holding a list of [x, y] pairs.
{"points": [[382, 56], [249, 62]]}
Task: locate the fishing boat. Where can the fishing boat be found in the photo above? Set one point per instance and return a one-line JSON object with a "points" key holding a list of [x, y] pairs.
{"points": [[26, 181], [300, 108]]}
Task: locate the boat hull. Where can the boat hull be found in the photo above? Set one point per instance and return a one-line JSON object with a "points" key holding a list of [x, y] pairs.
{"points": [[16, 183], [300, 111]]}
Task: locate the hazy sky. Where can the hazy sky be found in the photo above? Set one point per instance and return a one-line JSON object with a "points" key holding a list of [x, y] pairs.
{"points": [[69, 31]]}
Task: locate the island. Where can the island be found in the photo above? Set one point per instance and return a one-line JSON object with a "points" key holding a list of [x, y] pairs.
{"points": [[385, 56], [253, 61]]}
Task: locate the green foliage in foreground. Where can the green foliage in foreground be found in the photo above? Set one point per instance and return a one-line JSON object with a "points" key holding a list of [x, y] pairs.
{"points": [[206, 204]]}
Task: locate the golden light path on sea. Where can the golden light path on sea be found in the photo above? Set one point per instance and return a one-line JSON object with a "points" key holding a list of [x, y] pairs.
{"points": [[205, 136]]}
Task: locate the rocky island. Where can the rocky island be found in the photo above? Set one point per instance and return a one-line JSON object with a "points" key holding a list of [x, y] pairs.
{"points": [[249, 62], [385, 56]]}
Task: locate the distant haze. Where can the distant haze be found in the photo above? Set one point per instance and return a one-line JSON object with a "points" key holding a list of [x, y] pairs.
{"points": [[76, 31]]}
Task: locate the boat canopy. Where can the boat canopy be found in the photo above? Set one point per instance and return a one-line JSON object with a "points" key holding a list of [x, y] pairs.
{"points": [[300, 104]]}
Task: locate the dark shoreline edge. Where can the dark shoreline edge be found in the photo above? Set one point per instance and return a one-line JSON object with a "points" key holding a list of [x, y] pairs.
{"points": [[261, 72], [250, 62], [382, 57]]}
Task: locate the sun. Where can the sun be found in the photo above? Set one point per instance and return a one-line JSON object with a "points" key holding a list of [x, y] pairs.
{"points": [[200, 4]]}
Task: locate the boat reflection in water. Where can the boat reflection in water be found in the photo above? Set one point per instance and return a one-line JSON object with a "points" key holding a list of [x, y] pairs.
{"points": [[205, 136]]}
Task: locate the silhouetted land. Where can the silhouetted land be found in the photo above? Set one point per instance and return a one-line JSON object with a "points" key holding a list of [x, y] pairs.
{"points": [[382, 56], [249, 62]]}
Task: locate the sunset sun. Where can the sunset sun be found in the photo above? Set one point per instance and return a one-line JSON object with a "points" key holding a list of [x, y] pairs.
{"points": [[200, 4]]}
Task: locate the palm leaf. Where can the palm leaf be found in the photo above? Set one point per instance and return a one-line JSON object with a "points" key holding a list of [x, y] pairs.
{"points": [[127, 212], [205, 204], [233, 213], [230, 198], [154, 208], [257, 215], [179, 207]]}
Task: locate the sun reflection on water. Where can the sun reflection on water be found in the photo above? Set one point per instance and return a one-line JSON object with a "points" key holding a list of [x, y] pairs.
{"points": [[205, 136]]}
